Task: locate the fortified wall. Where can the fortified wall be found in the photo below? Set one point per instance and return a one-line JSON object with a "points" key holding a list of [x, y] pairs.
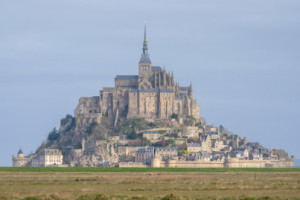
{"points": [[231, 163]]}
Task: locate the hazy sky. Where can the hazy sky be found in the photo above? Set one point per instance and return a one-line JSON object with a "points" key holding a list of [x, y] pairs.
{"points": [[241, 56]]}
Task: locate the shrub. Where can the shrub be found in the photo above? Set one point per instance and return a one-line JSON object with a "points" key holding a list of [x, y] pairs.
{"points": [[97, 131], [132, 135], [170, 197], [31, 198], [174, 116], [90, 128], [53, 135]]}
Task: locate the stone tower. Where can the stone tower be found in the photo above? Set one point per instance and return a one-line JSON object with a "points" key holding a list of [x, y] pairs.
{"points": [[145, 71], [20, 160]]}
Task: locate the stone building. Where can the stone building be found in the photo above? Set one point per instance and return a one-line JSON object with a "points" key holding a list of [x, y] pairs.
{"points": [[166, 152], [20, 160], [48, 157], [152, 94], [145, 155], [151, 135], [193, 147]]}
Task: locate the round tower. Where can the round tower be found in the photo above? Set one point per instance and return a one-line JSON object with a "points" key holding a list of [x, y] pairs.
{"points": [[20, 154]]}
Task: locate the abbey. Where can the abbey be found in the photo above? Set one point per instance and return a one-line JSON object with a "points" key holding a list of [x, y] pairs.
{"points": [[152, 94], [146, 120]]}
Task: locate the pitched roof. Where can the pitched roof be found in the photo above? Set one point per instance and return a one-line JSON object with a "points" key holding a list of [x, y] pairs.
{"points": [[20, 151], [193, 145], [126, 77], [151, 91], [156, 68], [150, 132]]}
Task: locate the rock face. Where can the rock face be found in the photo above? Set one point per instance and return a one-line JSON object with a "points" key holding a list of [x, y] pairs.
{"points": [[87, 111], [95, 154]]}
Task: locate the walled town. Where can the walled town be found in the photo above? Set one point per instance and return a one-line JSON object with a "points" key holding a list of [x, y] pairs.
{"points": [[146, 120]]}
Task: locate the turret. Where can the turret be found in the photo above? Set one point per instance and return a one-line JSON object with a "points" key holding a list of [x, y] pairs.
{"points": [[191, 91], [20, 154], [172, 82]]}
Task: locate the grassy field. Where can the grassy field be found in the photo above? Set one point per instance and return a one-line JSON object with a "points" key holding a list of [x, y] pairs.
{"points": [[110, 169], [118, 183]]}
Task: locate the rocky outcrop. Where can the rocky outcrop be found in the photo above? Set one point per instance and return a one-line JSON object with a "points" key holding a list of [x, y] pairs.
{"points": [[96, 154]]}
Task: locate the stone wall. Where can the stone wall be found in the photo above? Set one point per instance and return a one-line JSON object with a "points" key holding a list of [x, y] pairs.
{"points": [[127, 150], [237, 163], [231, 163], [132, 164], [87, 111], [97, 153]]}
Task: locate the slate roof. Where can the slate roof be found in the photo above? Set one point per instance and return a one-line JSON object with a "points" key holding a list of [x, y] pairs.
{"points": [[146, 150], [20, 151], [156, 68], [145, 58], [166, 149], [150, 132], [184, 88], [126, 77], [193, 145], [166, 91], [150, 91]]}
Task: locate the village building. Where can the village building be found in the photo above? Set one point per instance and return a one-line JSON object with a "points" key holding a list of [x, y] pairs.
{"points": [[193, 147], [151, 135], [48, 157], [145, 155], [166, 152]]}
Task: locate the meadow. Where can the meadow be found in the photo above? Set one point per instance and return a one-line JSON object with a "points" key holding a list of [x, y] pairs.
{"points": [[149, 183]]}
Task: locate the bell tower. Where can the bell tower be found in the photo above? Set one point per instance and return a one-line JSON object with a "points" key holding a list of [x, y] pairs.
{"points": [[145, 71]]}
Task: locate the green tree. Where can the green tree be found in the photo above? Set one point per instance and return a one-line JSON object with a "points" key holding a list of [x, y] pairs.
{"points": [[171, 143], [53, 135], [132, 135], [221, 129], [174, 116], [97, 131]]}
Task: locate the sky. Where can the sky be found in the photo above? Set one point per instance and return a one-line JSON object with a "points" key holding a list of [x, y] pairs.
{"points": [[242, 58]]}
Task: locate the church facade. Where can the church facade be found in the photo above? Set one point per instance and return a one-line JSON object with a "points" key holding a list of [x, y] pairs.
{"points": [[152, 94]]}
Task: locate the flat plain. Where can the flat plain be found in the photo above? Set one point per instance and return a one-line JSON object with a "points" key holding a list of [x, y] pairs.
{"points": [[117, 183]]}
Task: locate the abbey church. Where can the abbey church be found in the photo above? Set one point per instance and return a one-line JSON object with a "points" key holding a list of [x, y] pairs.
{"points": [[153, 94]]}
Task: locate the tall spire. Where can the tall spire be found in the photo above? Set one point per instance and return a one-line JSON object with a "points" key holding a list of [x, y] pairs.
{"points": [[145, 46], [145, 56]]}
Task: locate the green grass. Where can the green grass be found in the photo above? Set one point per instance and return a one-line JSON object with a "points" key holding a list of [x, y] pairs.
{"points": [[99, 169], [179, 139]]}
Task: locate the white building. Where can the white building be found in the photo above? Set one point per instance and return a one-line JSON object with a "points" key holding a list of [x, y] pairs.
{"points": [[193, 147], [151, 135], [48, 157]]}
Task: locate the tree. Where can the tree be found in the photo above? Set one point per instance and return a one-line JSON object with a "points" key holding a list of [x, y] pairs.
{"points": [[199, 125], [221, 129], [132, 135], [171, 143], [53, 135], [174, 116], [97, 131]]}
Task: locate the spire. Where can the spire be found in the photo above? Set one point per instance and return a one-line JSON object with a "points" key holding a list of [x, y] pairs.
{"points": [[191, 91], [145, 46], [145, 56]]}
